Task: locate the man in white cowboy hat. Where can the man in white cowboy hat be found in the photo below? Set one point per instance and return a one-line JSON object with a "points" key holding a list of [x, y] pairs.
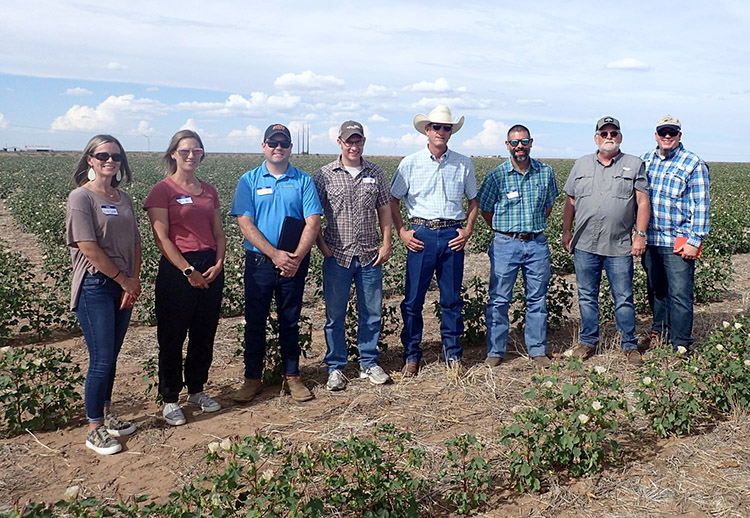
{"points": [[433, 183]]}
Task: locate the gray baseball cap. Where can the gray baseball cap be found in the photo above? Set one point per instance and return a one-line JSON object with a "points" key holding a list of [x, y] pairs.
{"points": [[607, 120]]}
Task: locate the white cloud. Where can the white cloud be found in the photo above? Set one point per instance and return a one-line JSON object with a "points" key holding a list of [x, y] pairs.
{"points": [[259, 104], [152, 89], [378, 91], [191, 125], [531, 102], [629, 64], [114, 65], [408, 140], [109, 115], [377, 118], [491, 137], [3, 122], [428, 103], [144, 128], [440, 84], [306, 81], [250, 132], [78, 91]]}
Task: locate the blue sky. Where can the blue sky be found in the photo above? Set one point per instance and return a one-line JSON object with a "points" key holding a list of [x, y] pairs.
{"points": [[142, 70]]}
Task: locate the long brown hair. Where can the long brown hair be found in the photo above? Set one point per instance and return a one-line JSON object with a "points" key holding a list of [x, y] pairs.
{"points": [[80, 176], [170, 164]]}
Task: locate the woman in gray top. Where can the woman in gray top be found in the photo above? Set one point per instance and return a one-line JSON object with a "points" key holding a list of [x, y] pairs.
{"points": [[105, 245]]}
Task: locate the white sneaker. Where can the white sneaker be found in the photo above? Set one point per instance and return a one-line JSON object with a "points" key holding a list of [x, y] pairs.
{"points": [[101, 441], [336, 380], [375, 374], [173, 415], [202, 400]]}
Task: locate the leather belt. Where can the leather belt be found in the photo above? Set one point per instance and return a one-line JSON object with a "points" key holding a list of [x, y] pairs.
{"points": [[434, 224], [521, 236]]}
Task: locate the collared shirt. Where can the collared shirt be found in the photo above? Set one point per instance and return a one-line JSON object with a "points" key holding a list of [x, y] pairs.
{"points": [[432, 189], [269, 200], [605, 203], [679, 197], [350, 207], [518, 201]]}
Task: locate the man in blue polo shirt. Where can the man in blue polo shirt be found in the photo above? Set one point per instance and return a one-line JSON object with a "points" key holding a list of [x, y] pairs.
{"points": [[264, 197]]}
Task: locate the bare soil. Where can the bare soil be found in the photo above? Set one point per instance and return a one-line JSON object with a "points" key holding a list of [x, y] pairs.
{"points": [[705, 475]]}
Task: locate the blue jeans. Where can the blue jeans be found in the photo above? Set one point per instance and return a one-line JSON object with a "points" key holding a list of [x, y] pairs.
{"points": [[337, 282], [435, 258], [670, 282], [262, 281], [507, 255], [104, 326], [620, 275]]}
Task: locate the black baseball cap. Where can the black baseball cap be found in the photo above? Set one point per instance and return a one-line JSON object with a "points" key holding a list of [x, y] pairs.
{"points": [[277, 129]]}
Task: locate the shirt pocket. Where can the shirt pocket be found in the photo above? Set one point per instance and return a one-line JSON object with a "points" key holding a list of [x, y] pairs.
{"points": [[454, 189], [622, 185], [369, 195], [674, 186], [583, 185], [338, 197]]}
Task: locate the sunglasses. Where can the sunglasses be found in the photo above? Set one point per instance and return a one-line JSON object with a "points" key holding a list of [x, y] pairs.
{"points": [[196, 151], [516, 141], [103, 157], [667, 132], [613, 134], [446, 127], [273, 143]]}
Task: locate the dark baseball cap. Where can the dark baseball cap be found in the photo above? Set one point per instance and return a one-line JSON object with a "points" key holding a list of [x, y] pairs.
{"points": [[607, 120], [350, 128], [277, 129]]}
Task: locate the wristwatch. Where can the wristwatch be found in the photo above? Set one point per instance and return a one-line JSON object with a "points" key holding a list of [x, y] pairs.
{"points": [[640, 233], [187, 272]]}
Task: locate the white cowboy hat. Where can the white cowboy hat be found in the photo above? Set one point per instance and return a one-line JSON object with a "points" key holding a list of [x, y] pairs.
{"points": [[441, 114]]}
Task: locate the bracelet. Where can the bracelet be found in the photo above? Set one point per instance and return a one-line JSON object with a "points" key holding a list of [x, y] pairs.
{"points": [[116, 276]]}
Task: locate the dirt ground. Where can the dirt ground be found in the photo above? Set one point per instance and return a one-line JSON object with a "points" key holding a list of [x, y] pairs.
{"points": [[699, 476]]}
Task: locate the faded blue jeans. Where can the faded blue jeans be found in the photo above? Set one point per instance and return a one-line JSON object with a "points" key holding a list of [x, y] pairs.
{"points": [[104, 326]]}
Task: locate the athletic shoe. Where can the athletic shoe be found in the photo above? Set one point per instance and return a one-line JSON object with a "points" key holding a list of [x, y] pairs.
{"points": [[101, 441], [173, 414], [116, 426], [202, 400], [375, 374], [336, 380]]}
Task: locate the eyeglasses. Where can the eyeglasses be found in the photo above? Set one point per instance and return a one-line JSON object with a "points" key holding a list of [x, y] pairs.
{"points": [[514, 142], [667, 132], [273, 143], [353, 143], [103, 157], [446, 127], [613, 134], [196, 151]]}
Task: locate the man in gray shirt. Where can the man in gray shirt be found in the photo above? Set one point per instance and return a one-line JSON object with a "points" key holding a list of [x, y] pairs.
{"points": [[606, 191]]}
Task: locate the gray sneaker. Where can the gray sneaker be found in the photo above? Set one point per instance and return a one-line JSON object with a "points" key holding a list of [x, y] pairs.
{"points": [[116, 426], [336, 380], [101, 441], [375, 374], [202, 400], [173, 415]]}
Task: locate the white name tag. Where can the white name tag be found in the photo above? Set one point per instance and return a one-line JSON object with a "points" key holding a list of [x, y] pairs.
{"points": [[512, 195], [109, 210], [184, 200], [626, 169], [368, 179], [263, 191]]}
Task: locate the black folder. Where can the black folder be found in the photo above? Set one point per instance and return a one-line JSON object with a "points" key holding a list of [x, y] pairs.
{"points": [[291, 232]]}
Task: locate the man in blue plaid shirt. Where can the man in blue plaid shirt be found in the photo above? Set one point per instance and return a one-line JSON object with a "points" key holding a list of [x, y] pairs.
{"points": [[516, 199], [679, 183]]}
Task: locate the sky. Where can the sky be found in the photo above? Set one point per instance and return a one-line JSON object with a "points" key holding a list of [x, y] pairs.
{"points": [[142, 70]]}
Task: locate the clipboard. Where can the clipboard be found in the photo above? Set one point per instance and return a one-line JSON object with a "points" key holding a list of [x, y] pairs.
{"points": [[291, 232], [681, 240]]}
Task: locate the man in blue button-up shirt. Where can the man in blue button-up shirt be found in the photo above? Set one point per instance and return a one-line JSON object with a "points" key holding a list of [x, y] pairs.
{"points": [[433, 183]]}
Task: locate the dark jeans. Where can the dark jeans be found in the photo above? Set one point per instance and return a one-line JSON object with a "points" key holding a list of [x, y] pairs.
{"points": [[262, 281], [436, 258], [104, 326], [670, 282], [181, 311]]}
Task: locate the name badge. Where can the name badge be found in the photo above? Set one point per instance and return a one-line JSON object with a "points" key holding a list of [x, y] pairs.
{"points": [[263, 191], [368, 179], [626, 169], [512, 195], [185, 200], [109, 210]]}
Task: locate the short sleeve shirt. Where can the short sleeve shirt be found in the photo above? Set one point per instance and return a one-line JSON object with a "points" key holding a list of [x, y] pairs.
{"points": [[518, 201], [190, 215], [268, 200], [111, 225], [350, 207], [432, 189], [605, 204]]}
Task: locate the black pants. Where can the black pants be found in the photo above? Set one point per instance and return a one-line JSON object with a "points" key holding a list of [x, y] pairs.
{"points": [[182, 310]]}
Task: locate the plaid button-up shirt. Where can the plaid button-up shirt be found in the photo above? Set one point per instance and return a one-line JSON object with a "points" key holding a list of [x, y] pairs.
{"points": [[350, 210], [679, 197]]}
